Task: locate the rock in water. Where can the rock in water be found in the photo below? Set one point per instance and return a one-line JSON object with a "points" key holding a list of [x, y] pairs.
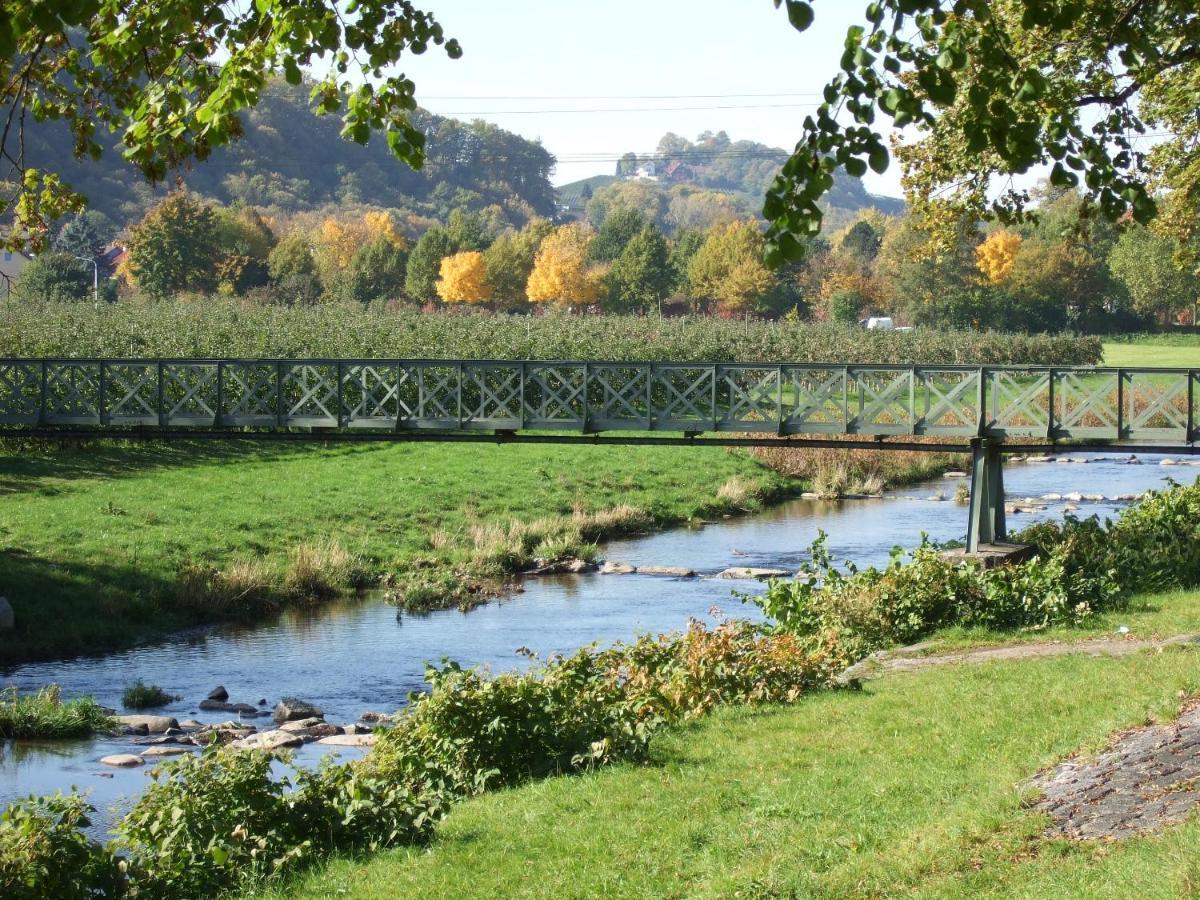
{"points": [[152, 724], [612, 567], [7, 617], [122, 760], [348, 740], [746, 572], [669, 571], [218, 693], [269, 740], [290, 708]]}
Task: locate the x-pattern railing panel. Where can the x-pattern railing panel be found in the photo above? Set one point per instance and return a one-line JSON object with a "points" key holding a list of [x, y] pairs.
{"points": [[1156, 405], [989, 401], [131, 393], [815, 400], [20, 392], [190, 394], [310, 395], [493, 395], [555, 395], [749, 398], [948, 400], [1019, 403], [72, 393], [619, 396], [884, 401], [684, 396], [1085, 405]]}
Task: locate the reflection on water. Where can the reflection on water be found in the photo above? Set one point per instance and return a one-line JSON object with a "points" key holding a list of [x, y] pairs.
{"points": [[363, 655]]}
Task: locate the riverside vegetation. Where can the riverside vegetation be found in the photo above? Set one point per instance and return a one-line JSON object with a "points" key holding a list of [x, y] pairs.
{"points": [[221, 821]]}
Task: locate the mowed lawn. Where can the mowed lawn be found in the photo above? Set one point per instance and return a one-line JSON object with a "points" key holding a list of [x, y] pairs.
{"points": [[1182, 351], [92, 540], [911, 787]]}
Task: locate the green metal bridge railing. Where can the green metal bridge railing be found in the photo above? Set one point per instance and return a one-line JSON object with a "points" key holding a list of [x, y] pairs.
{"points": [[990, 407]]}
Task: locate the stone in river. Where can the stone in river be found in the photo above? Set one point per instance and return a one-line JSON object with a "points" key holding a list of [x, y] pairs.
{"points": [[122, 760], [748, 572], [348, 740], [268, 740], [153, 724], [290, 708], [671, 571], [165, 750], [612, 567], [211, 705], [218, 693]]}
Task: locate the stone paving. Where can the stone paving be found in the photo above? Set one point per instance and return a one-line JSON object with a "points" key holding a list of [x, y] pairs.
{"points": [[1145, 780]]}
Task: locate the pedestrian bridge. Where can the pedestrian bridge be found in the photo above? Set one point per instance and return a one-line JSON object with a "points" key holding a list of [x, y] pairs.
{"points": [[984, 410]]}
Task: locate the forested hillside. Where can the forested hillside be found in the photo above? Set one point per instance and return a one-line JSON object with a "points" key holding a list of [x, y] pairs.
{"points": [[686, 184], [291, 161]]}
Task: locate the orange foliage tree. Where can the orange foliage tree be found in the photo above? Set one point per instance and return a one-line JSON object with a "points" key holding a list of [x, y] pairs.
{"points": [[464, 279], [560, 273], [996, 255]]}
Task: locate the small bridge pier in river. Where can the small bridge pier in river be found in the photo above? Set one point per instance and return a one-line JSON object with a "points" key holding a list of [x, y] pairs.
{"points": [[985, 411]]}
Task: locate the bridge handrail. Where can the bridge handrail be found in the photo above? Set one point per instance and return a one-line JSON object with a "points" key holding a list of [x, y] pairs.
{"points": [[1131, 404]]}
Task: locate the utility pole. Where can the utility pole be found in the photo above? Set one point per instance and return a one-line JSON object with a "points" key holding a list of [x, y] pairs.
{"points": [[95, 278]]}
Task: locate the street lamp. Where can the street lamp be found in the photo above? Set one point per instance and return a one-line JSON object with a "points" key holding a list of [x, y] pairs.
{"points": [[95, 278]]}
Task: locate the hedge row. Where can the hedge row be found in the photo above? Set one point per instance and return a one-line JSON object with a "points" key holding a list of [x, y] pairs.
{"points": [[226, 328]]}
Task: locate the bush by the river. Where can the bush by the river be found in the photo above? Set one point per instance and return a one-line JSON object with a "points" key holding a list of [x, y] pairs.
{"points": [[226, 328], [1081, 568]]}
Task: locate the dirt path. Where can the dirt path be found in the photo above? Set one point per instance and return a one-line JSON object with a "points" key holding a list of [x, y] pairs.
{"points": [[907, 659]]}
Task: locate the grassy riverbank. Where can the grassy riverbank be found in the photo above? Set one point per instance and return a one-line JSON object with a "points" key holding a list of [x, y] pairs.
{"points": [[913, 786], [103, 547], [107, 546]]}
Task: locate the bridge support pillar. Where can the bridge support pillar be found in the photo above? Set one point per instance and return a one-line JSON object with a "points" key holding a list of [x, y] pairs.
{"points": [[986, 523]]}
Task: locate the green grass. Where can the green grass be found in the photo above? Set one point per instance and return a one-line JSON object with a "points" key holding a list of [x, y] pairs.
{"points": [[910, 787], [46, 715], [107, 546], [1179, 350]]}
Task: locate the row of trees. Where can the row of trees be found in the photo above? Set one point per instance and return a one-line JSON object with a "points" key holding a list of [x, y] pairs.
{"points": [[1068, 269]]}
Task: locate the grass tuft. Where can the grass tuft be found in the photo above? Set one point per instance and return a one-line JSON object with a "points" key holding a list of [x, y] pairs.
{"points": [[145, 696], [320, 571], [46, 715]]}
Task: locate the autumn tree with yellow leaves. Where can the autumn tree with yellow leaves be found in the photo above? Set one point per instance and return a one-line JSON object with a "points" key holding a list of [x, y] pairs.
{"points": [[464, 279], [997, 254], [560, 272]]}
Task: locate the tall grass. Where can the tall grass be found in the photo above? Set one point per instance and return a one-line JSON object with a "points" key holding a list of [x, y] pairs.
{"points": [[46, 715], [222, 328]]}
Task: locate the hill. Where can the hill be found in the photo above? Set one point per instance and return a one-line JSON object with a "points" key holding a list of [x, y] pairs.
{"points": [[735, 174], [290, 161]]}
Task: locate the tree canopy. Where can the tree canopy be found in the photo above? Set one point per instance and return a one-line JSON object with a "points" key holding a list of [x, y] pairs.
{"points": [[996, 89], [172, 77]]}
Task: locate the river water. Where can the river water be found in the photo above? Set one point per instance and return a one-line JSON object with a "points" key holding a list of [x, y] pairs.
{"points": [[364, 655]]}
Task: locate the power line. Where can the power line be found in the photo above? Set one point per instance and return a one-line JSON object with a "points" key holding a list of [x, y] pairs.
{"points": [[615, 96], [623, 109]]}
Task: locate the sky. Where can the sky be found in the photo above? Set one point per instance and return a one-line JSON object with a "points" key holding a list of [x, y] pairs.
{"points": [[594, 80]]}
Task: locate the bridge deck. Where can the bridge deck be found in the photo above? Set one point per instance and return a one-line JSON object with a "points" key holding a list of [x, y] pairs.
{"points": [[202, 396]]}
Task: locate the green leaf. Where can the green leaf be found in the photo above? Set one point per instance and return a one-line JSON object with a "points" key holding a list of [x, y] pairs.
{"points": [[856, 167], [800, 14], [878, 159]]}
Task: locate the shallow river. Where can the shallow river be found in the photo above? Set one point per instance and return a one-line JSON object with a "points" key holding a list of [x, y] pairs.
{"points": [[363, 655]]}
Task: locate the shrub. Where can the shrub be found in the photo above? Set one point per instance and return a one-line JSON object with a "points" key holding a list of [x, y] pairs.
{"points": [[1082, 567], [45, 715], [45, 853], [145, 696]]}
